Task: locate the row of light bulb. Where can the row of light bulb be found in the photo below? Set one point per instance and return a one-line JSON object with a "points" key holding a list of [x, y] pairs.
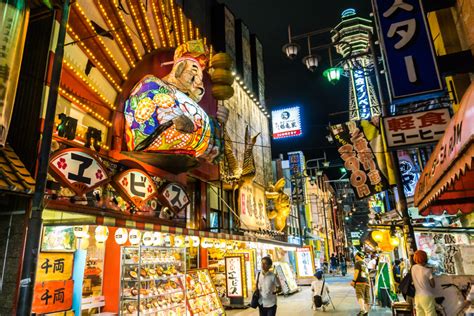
{"points": [[240, 81]]}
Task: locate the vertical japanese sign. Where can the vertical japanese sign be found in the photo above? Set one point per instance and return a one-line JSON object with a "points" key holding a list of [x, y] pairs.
{"points": [[304, 262], [361, 95], [258, 70], [13, 26], [297, 165], [252, 207], [54, 287], [79, 170], [234, 276], [286, 122], [136, 186], [246, 56], [407, 46], [416, 128], [363, 166]]}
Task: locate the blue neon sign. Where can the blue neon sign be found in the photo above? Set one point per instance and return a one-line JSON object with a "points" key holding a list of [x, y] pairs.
{"points": [[361, 94]]}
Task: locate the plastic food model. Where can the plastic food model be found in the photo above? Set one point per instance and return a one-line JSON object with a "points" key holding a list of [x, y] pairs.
{"points": [[202, 296], [155, 284]]}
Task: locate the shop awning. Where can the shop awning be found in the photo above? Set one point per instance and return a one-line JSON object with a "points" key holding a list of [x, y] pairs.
{"points": [[14, 177], [447, 181]]}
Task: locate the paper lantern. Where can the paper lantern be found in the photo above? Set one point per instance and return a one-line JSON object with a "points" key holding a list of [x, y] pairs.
{"points": [[195, 241], [221, 60], [121, 236], [216, 243], [222, 92], [101, 234], [179, 241], [135, 236], [187, 241], [81, 231], [394, 241], [158, 239], [147, 238], [207, 243], [83, 242], [168, 241], [229, 245], [222, 244], [377, 235], [222, 76]]}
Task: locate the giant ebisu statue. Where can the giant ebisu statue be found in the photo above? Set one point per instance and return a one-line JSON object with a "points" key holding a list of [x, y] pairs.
{"points": [[163, 117]]}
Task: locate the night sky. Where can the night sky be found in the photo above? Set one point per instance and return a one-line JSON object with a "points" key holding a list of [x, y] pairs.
{"points": [[289, 82]]}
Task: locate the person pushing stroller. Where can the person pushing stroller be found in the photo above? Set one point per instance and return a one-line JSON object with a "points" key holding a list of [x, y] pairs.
{"points": [[320, 291]]}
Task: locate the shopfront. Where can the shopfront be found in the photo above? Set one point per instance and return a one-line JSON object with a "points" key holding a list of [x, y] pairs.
{"points": [[445, 195]]}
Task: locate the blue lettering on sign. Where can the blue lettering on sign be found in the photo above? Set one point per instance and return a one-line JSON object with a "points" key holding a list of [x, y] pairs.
{"points": [[407, 46]]}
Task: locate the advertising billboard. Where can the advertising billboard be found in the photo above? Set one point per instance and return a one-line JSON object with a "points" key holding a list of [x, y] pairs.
{"points": [[286, 122]]}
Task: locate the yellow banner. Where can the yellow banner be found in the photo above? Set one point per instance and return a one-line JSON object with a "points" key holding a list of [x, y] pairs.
{"points": [[54, 266]]}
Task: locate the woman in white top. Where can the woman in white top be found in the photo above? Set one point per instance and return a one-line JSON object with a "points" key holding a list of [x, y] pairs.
{"points": [[424, 284]]}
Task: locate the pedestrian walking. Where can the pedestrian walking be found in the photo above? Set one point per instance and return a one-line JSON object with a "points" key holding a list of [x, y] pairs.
{"points": [[424, 284], [268, 286], [343, 264], [360, 282], [333, 262], [397, 273]]}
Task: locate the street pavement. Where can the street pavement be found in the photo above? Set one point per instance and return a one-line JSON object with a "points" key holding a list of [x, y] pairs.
{"points": [[299, 304]]}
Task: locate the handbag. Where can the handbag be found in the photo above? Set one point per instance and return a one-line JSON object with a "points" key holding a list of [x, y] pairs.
{"points": [[255, 295], [406, 286], [318, 299]]}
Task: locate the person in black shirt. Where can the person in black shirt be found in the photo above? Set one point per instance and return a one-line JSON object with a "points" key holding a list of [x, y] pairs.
{"points": [[361, 284]]}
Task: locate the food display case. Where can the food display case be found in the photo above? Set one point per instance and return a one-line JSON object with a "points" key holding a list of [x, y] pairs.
{"points": [[152, 281], [202, 297]]}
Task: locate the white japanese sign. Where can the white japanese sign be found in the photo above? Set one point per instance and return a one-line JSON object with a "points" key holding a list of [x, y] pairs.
{"points": [[136, 185], [304, 262], [175, 197], [286, 122], [416, 128], [233, 274], [78, 170], [252, 207]]}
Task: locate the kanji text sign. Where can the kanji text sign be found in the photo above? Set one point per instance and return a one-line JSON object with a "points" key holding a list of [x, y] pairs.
{"points": [[416, 128], [136, 185], [234, 280], [54, 266], [406, 43], [52, 296]]}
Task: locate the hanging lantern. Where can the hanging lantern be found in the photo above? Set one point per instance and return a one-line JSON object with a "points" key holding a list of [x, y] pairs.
{"points": [[195, 241], [121, 236], [207, 243], [311, 62], [101, 234], [291, 50], [187, 241], [229, 245], [134, 236], [333, 74], [81, 231], [169, 241], [83, 242], [216, 243], [158, 239], [222, 244], [179, 241], [394, 241], [147, 238], [377, 235]]}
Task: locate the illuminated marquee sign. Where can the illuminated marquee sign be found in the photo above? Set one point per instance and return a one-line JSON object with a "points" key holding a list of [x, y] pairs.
{"points": [[79, 170], [286, 122]]}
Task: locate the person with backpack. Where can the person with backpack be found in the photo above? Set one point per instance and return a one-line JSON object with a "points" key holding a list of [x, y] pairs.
{"points": [[320, 291]]}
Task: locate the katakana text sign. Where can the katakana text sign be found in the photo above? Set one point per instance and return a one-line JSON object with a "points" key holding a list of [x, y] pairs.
{"points": [[52, 296], [406, 42], [136, 186], [286, 122], [233, 273], [78, 170], [366, 177], [54, 266], [174, 196], [416, 128]]}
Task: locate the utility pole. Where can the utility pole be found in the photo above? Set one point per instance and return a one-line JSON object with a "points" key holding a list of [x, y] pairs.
{"points": [[35, 222], [402, 205]]}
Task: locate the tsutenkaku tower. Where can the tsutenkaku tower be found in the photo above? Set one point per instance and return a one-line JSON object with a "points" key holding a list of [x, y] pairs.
{"points": [[352, 34]]}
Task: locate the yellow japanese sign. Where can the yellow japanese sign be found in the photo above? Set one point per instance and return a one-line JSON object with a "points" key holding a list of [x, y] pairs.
{"points": [[54, 266]]}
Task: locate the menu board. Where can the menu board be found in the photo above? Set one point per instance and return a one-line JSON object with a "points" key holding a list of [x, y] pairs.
{"points": [[234, 271], [286, 277], [201, 294], [304, 262]]}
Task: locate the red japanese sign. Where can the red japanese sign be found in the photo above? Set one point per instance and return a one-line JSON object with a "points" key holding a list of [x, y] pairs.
{"points": [[78, 169], [136, 186], [416, 128], [364, 167], [52, 296]]}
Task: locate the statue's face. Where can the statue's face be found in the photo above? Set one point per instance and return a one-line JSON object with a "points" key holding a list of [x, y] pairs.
{"points": [[187, 77]]}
